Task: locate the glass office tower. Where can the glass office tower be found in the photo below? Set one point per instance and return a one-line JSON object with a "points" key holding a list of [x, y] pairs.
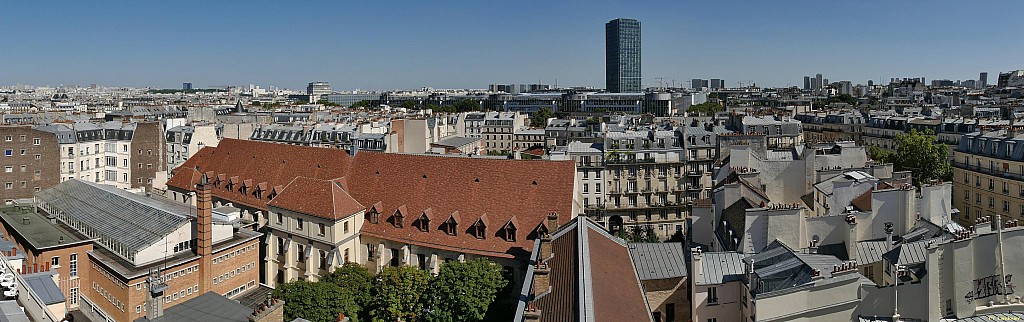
{"points": [[622, 56]]}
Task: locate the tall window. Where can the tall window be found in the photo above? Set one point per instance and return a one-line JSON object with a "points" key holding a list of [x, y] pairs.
{"points": [[321, 228], [712, 295], [73, 265]]}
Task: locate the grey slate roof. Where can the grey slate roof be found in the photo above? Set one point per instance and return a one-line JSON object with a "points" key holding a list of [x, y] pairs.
{"points": [[719, 267], [10, 311], [907, 254], [42, 284], [992, 317], [209, 307], [132, 220], [658, 260], [870, 251], [456, 141]]}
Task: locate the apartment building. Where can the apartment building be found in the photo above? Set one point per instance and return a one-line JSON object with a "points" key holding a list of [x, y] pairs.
{"points": [[184, 141], [30, 162], [643, 174], [124, 155], [988, 175], [589, 158], [151, 253]]}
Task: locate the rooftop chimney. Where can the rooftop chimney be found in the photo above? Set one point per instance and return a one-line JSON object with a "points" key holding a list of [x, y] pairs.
{"points": [[695, 255], [273, 311], [204, 232]]}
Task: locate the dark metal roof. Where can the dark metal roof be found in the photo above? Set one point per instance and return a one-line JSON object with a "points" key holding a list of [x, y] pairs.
{"points": [[42, 284], [719, 267], [209, 307], [658, 260]]}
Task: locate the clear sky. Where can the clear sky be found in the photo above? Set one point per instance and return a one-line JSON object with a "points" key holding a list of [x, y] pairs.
{"points": [[469, 44]]}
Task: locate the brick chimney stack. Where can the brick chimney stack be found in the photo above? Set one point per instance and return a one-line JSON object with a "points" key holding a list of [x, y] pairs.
{"points": [[204, 232]]}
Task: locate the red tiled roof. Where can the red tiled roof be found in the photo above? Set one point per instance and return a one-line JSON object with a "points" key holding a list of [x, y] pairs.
{"points": [[315, 197], [529, 190], [863, 202]]}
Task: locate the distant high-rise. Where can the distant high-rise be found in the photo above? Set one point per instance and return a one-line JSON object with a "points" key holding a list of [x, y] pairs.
{"points": [[717, 83], [186, 86], [982, 80], [807, 82], [622, 55], [696, 83], [318, 88]]}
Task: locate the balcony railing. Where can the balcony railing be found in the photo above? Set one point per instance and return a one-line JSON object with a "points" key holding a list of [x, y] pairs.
{"points": [[995, 172], [613, 161]]}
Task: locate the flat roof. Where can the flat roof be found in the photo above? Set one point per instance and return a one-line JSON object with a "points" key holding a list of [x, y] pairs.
{"points": [[210, 307], [37, 229]]}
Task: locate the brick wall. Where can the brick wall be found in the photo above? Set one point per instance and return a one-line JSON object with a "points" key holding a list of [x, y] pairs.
{"points": [[149, 139], [19, 153]]}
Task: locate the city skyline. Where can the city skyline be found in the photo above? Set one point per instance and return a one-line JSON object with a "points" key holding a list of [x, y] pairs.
{"points": [[444, 45]]}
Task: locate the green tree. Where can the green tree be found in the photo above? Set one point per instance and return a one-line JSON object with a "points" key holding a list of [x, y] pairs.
{"points": [[440, 109], [466, 105], [316, 301], [540, 117], [706, 108], [356, 279], [397, 292], [363, 103], [462, 291], [920, 153], [638, 234], [408, 104], [300, 102], [327, 103]]}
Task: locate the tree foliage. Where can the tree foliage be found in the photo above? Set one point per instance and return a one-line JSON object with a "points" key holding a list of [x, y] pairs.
{"points": [[316, 301], [397, 292], [363, 103], [327, 103], [639, 234], [408, 104], [920, 153], [540, 117], [440, 109], [462, 291], [355, 278], [706, 108], [466, 105]]}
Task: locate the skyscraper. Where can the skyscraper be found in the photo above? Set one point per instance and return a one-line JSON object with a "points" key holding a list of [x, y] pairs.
{"points": [[982, 80], [186, 86], [807, 82], [622, 56]]}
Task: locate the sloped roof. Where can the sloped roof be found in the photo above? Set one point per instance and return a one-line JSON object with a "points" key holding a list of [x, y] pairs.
{"points": [[658, 260], [592, 277], [719, 267], [908, 253], [132, 220], [315, 197], [529, 190]]}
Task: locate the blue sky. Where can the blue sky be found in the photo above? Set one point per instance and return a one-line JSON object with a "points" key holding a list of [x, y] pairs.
{"points": [[464, 44]]}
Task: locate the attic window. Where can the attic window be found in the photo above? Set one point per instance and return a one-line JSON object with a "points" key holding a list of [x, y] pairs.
{"points": [[479, 230], [534, 182], [424, 176], [477, 179], [423, 223], [450, 226], [509, 232], [398, 219], [373, 216]]}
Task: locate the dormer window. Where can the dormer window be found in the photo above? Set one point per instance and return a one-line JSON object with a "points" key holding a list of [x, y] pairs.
{"points": [[373, 214], [423, 222], [509, 231], [450, 226], [540, 232], [479, 228], [399, 218]]}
